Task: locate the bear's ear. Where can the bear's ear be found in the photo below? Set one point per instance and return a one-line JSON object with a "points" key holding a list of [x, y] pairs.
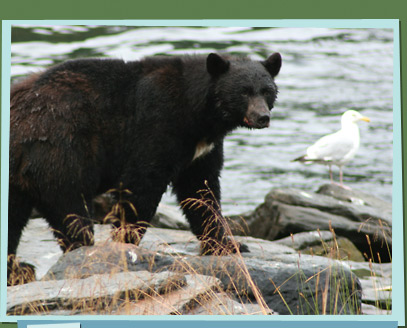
{"points": [[273, 64], [216, 65]]}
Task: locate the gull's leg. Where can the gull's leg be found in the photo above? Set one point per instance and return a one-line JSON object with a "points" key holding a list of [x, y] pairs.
{"points": [[341, 179], [330, 173]]}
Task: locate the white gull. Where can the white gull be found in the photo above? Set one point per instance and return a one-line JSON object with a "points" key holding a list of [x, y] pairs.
{"points": [[337, 148]]}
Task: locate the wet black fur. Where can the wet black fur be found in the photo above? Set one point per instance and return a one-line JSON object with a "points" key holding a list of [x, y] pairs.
{"points": [[86, 126]]}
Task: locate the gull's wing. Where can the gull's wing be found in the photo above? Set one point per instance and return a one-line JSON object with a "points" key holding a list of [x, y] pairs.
{"points": [[332, 147]]}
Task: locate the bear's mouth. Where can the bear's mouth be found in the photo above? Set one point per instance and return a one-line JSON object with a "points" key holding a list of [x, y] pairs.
{"points": [[247, 123], [260, 123]]}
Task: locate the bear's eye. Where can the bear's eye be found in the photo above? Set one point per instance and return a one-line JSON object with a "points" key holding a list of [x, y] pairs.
{"points": [[266, 92], [247, 91]]}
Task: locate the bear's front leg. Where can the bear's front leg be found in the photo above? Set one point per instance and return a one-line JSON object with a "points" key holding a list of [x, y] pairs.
{"points": [[198, 190]]}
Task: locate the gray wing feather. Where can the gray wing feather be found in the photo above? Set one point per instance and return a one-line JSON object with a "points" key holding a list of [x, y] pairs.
{"points": [[332, 147]]}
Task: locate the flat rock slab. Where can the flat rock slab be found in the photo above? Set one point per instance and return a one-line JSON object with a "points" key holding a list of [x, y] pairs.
{"points": [[377, 291], [365, 221], [303, 240], [197, 290], [373, 310], [358, 211], [106, 257], [356, 197], [98, 291], [170, 217], [38, 246], [366, 269], [223, 304], [323, 243]]}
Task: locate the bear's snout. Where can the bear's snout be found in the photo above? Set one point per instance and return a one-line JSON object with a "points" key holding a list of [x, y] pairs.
{"points": [[258, 114]]}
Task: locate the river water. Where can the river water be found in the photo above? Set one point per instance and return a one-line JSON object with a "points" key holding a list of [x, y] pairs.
{"points": [[324, 73]]}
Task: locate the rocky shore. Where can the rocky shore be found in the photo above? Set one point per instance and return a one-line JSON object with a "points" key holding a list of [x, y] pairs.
{"points": [[324, 252]]}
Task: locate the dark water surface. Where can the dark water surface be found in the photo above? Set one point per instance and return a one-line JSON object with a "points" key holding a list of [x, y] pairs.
{"points": [[324, 73]]}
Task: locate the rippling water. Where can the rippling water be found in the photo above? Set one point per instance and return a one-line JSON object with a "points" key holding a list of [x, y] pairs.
{"points": [[325, 72]]}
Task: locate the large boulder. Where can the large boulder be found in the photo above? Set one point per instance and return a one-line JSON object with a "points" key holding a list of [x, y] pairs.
{"points": [[107, 257], [293, 285], [365, 220]]}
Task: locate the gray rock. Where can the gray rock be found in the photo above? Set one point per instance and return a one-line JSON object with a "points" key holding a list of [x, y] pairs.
{"points": [[340, 248], [367, 269], [169, 217], [295, 286], [196, 290], [323, 243], [90, 293], [108, 257], [377, 291], [373, 310], [376, 281], [359, 212], [303, 240], [290, 211], [356, 197], [38, 246], [223, 304], [185, 243], [267, 261]]}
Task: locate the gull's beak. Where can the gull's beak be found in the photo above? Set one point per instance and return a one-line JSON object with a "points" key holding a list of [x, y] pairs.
{"points": [[365, 118]]}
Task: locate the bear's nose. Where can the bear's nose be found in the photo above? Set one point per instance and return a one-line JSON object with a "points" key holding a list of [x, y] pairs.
{"points": [[263, 120]]}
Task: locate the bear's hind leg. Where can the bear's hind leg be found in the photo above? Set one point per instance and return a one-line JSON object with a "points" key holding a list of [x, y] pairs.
{"points": [[70, 222], [19, 210]]}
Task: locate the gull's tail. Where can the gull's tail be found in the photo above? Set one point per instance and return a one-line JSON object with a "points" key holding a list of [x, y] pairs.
{"points": [[306, 160], [301, 159]]}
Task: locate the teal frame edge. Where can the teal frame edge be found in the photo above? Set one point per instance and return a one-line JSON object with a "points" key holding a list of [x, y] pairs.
{"points": [[398, 293], [233, 323]]}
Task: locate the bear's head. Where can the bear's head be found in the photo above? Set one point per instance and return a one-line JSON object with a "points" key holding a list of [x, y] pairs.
{"points": [[244, 90]]}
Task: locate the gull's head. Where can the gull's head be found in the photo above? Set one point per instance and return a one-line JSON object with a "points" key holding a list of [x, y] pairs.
{"points": [[352, 116]]}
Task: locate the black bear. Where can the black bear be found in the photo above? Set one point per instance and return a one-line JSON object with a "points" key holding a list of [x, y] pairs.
{"points": [[89, 125]]}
